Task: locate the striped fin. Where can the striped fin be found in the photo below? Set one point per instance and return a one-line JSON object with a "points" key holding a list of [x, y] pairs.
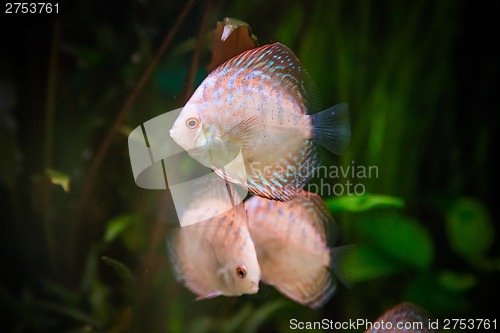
{"points": [[332, 129], [319, 216], [280, 186], [313, 292]]}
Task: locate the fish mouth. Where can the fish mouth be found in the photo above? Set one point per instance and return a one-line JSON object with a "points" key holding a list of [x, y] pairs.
{"points": [[255, 287], [173, 136]]}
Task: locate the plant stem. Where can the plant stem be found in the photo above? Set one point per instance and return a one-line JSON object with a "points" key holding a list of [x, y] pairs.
{"points": [[188, 90], [49, 145]]}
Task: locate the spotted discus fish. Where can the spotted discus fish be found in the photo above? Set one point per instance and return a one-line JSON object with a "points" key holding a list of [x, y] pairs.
{"points": [[257, 104], [404, 317], [291, 245], [216, 256]]}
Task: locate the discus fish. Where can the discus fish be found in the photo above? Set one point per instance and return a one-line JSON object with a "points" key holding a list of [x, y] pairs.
{"points": [[404, 317], [257, 104], [291, 244], [216, 256]]}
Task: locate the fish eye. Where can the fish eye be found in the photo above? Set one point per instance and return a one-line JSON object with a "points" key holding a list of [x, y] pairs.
{"points": [[193, 122], [241, 272]]}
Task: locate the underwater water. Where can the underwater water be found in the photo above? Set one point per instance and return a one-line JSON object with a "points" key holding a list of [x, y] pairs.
{"points": [[84, 249]]}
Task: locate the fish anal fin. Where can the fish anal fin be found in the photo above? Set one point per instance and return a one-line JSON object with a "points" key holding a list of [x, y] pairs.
{"points": [[312, 294]]}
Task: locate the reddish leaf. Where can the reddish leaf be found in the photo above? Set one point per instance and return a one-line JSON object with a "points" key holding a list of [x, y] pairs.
{"points": [[230, 38]]}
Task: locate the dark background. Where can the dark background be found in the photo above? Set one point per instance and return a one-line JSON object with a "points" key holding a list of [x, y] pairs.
{"points": [[420, 77]]}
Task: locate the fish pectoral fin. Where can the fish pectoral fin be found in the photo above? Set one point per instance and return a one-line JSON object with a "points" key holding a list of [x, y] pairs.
{"points": [[209, 295], [228, 176], [246, 132]]}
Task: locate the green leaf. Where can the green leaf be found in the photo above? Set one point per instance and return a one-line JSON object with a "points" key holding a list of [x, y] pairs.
{"points": [[456, 282], [262, 314], [67, 311], [470, 229], [361, 203], [97, 292], [126, 276], [402, 238], [232, 324], [116, 226], [58, 178], [365, 263]]}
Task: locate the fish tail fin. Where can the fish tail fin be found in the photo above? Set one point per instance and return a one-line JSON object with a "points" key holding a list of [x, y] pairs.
{"points": [[341, 263], [332, 129]]}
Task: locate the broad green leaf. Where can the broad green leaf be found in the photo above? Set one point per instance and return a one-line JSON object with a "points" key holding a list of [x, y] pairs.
{"points": [[361, 203], [470, 229], [116, 226], [400, 237], [366, 263], [456, 282], [58, 178]]}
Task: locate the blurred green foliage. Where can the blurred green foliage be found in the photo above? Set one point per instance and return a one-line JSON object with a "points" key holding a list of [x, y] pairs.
{"points": [[418, 77], [470, 229]]}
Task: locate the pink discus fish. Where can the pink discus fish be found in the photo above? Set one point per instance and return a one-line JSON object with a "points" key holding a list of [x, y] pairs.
{"points": [[291, 245], [403, 318], [257, 104], [216, 256]]}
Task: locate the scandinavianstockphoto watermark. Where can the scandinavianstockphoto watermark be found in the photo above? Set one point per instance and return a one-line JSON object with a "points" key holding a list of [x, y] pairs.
{"points": [[334, 180], [356, 324]]}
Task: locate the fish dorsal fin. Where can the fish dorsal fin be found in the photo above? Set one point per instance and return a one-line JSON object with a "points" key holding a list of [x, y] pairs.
{"points": [[279, 64]]}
